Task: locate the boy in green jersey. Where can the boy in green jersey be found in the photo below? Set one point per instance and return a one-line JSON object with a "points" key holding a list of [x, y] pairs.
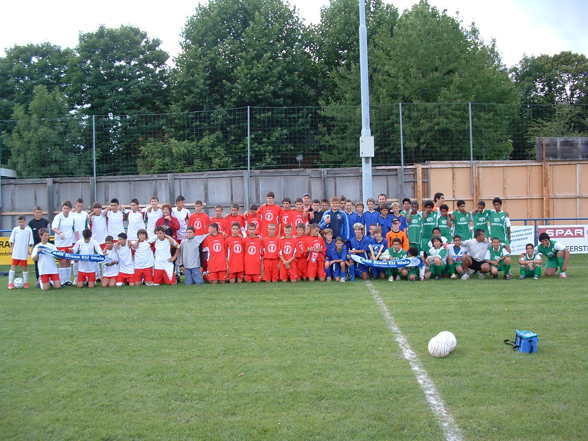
{"points": [[462, 221], [480, 218], [499, 223], [437, 260], [429, 221], [556, 254], [415, 225], [444, 222], [499, 259], [406, 206], [415, 272], [395, 253], [530, 262]]}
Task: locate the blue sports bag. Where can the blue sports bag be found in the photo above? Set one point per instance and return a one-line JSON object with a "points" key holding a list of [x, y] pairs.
{"points": [[525, 341]]}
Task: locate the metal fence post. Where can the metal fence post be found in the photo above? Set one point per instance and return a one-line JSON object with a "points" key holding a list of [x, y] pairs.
{"points": [[94, 189], [248, 184], [402, 194], [472, 172]]}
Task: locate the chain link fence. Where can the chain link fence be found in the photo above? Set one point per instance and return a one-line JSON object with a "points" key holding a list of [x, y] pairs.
{"points": [[284, 137]]}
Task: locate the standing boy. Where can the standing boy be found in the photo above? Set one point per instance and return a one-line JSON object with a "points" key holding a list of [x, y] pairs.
{"points": [[189, 257], [199, 220], [216, 251], [36, 223], [271, 254], [462, 221], [126, 265], [252, 261], [63, 227], [269, 213], [21, 242], [288, 247], [182, 214], [234, 244]]}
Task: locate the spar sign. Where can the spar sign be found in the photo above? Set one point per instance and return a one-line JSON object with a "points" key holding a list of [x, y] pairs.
{"points": [[574, 237]]}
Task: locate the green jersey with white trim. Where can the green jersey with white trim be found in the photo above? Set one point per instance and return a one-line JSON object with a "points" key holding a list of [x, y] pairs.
{"points": [[443, 225], [499, 224], [497, 254], [462, 224], [415, 228], [551, 251], [429, 222], [481, 221], [395, 255]]}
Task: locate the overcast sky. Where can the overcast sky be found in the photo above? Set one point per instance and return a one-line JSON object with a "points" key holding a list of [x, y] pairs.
{"points": [[520, 27]]}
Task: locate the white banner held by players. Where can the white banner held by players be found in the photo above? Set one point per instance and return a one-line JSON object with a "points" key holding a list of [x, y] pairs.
{"points": [[574, 237], [521, 235]]}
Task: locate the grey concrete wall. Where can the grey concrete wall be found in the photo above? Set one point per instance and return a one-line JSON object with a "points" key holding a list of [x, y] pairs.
{"points": [[215, 187]]}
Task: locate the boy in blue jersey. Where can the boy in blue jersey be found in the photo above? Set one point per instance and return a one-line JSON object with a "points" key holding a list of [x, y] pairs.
{"points": [[357, 217], [336, 262], [329, 242], [371, 215], [376, 246], [455, 253], [384, 220], [358, 245], [350, 214]]}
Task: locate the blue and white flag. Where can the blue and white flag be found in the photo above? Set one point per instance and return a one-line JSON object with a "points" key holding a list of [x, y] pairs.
{"points": [[71, 256], [395, 263]]}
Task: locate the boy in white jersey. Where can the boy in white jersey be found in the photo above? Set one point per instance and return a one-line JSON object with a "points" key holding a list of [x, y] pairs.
{"points": [[87, 269], [110, 266], [63, 227], [114, 218], [182, 214], [126, 266], [164, 261], [47, 267], [143, 259], [152, 213], [80, 218], [21, 241], [97, 223], [136, 220]]}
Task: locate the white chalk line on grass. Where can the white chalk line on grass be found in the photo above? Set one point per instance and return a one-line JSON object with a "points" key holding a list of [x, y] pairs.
{"points": [[446, 421]]}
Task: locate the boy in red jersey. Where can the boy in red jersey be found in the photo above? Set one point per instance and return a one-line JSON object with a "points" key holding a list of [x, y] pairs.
{"points": [[251, 218], [199, 220], [301, 250], [214, 247], [269, 213], [252, 260], [288, 245], [234, 244], [315, 266], [285, 215], [219, 219], [233, 217], [299, 216], [271, 254]]}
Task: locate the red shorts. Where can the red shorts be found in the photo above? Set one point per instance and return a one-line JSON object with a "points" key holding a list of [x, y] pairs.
{"points": [[19, 262], [232, 276], [46, 277], [301, 264], [270, 270], [144, 274], [216, 276], [66, 249], [252, 278], [125, 278], [314, 269], [86, 277], [160, 277], [288, 273]]}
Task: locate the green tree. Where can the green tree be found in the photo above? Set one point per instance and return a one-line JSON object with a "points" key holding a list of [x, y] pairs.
{"points": [[46, 139], [256, 53], [24, 67], [431, 58], [118, 74], [554, 98]]}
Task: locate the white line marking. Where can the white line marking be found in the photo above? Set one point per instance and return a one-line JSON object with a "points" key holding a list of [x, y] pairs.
{"points": [[446, 421]]}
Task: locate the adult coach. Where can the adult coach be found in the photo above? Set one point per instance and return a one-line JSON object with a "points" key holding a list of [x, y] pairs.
{"points": [[477, 255]]}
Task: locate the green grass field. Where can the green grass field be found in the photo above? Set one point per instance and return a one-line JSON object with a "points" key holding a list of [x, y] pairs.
{"points": [[292, 362]]}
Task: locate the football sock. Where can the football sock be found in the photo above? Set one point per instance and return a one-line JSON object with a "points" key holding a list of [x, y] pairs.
{"points": [[25, 276], [538, 271], [61, 275], [11, 275], [67, 273], [506, 269], [560, 262]]}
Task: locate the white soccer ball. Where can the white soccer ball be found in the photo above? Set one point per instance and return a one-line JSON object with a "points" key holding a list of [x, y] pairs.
{"points": [[438, 348], [18, 282], [448, 338]]}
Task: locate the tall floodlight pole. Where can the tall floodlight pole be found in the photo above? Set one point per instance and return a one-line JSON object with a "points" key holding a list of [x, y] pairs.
{"points": [[366, 141]]}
